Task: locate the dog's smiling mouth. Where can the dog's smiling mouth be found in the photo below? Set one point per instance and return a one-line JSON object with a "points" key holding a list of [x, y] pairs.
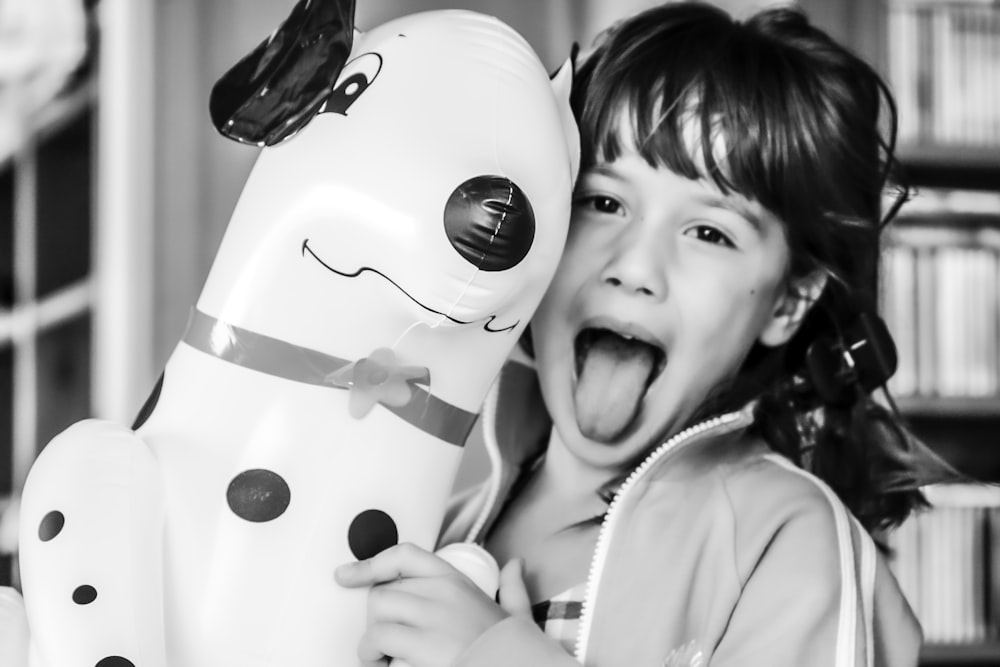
{"points": [[614, 370], [367, 269]]}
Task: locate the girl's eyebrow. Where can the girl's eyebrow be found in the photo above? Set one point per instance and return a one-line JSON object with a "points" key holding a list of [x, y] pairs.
{"points": [[736, 204], [733, 203], [605, 170]]}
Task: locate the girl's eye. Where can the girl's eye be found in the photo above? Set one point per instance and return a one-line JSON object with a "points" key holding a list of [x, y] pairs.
{"points": [[600, 204], [711, 235]]}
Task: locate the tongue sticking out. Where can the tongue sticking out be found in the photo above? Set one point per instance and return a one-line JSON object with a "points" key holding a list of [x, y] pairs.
{"points": [[613, 374]]}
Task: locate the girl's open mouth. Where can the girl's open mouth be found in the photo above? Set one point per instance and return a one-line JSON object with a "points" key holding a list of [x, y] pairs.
{"points": [[614, 370]]}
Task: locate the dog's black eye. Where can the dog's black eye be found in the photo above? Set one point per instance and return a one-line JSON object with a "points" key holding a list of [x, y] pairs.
{"points": [[490, 223]]}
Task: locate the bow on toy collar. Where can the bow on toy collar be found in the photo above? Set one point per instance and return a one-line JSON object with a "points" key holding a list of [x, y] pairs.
{"points": [[378, 378]]}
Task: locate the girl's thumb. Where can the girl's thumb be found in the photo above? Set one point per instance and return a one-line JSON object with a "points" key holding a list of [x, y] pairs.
{"points": [[513, 594]]}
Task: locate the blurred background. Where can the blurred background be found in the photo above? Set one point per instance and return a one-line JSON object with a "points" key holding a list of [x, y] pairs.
{"points": [[115, 191]]}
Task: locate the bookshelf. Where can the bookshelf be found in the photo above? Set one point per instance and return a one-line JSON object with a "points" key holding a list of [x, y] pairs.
{"points": [[940, 290], [969, 654], [975, 167]]}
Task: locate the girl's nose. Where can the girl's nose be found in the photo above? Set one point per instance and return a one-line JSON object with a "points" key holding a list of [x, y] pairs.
{"points": [[638, 266]]}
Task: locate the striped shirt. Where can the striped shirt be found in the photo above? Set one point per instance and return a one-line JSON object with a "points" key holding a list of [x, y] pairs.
{"points": [[559, 617]]}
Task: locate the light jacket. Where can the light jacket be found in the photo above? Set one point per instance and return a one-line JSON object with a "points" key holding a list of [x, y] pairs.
{"points": [[715, 552]]}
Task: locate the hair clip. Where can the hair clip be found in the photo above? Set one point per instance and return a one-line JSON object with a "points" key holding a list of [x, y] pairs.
{"points": [[863, 356]]}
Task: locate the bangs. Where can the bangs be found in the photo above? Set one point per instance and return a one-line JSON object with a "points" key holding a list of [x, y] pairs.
{"points": [[715, 99], [664, 118]]}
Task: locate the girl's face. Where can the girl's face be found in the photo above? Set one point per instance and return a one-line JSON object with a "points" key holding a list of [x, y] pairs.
{"points": [[664, 286]]}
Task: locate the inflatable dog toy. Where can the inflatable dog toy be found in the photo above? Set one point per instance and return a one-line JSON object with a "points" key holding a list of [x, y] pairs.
{"points": [[391, 242]]}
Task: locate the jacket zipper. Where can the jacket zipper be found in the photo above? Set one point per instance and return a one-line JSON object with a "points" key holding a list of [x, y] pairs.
{"points": [[607, 525], [731, 419]]}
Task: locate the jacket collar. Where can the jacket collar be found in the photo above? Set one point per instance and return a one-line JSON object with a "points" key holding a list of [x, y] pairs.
{"points": [[520, 423]]}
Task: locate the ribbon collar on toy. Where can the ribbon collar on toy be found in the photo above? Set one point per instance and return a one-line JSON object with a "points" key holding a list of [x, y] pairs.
{"points": [[377, 378]]}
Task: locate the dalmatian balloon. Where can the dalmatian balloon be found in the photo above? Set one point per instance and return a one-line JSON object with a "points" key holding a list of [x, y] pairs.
{"points": [[396, 233]]}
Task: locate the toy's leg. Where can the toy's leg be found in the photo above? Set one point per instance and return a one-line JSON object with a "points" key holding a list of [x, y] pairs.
{"points": [[91, 534], [13, 629]]}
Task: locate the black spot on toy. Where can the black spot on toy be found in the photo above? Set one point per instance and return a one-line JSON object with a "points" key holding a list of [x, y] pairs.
{"points": [[115, 661], [84, 594], [258, 495], [51, 525], [371, 532]]}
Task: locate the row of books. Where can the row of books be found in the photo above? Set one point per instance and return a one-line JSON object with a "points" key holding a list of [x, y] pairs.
{"points": [[947, 562], [944, 68], [941, 302]]}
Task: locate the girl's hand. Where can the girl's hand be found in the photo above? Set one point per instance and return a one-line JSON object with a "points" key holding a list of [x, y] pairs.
{"points": [[424, 611]]}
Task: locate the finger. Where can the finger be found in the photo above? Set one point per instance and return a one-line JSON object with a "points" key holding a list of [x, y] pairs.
{"points": [[391, 605], [382, 640], [402, 560], [513, 593], [431, 588]]}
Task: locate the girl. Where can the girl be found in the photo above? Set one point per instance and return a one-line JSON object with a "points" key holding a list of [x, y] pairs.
{"points": [[693, 476]]}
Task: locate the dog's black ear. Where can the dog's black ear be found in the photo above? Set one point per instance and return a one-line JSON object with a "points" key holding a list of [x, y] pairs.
{"points": [[569, 64], [274, 91]]}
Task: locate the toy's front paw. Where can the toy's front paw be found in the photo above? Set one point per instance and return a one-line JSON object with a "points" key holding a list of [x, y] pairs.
{"points": [[13, 629], [91, 525]]}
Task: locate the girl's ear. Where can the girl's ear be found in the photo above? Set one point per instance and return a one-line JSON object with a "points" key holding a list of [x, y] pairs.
{"points": [[792, 307]]}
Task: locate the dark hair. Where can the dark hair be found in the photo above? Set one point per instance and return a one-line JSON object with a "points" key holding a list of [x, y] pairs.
{"points": [[808, 130]]}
